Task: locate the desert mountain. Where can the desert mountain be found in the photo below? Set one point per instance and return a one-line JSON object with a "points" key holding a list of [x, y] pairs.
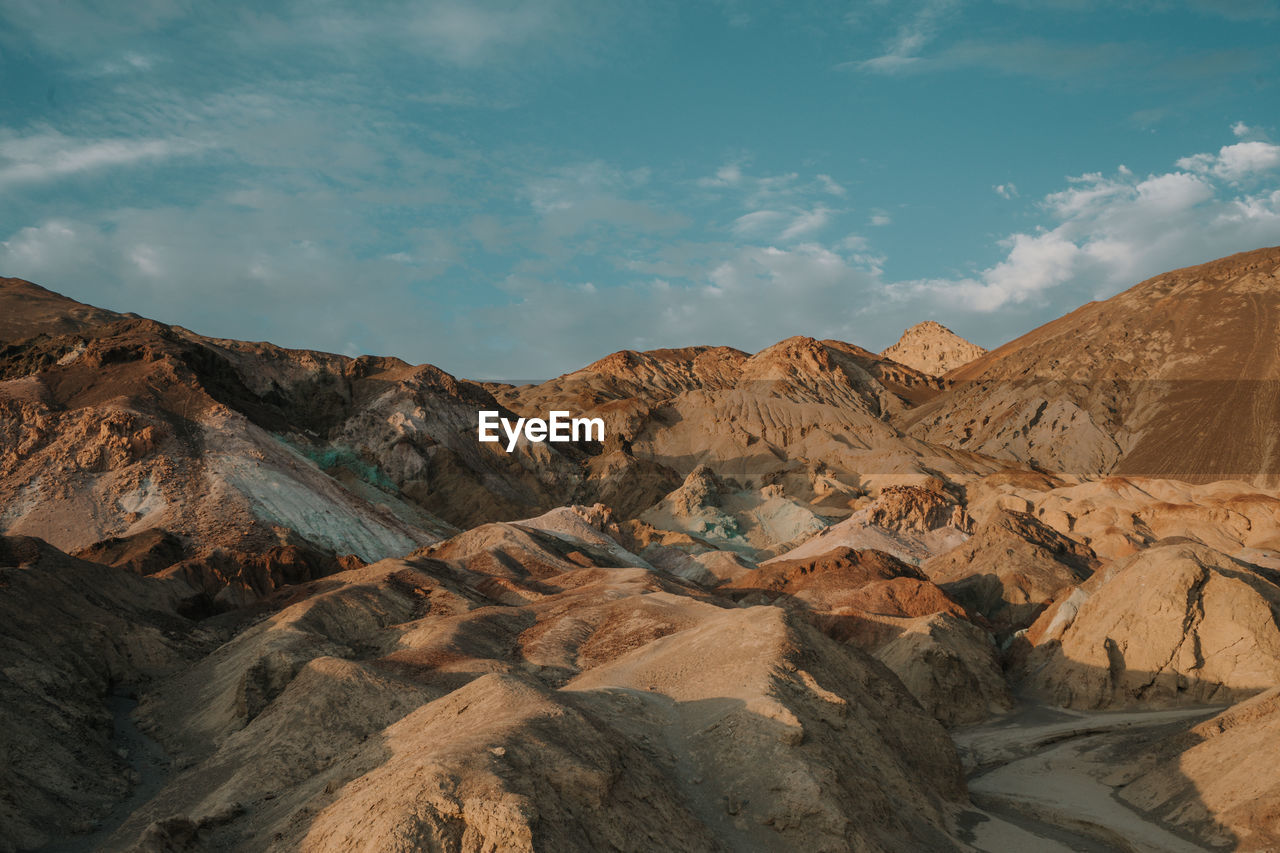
{"points": [[1176, 623], [801, 428], [806, 598], [1176, 377], [932, 348], [114, 426], [1217, 779]]}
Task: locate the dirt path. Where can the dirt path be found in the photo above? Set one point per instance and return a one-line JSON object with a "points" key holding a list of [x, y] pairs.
{"points": [[1040, 771]]}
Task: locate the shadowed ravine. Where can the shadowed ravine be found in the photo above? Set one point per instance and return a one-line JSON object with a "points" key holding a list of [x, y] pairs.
{"points": [[147, 761]]}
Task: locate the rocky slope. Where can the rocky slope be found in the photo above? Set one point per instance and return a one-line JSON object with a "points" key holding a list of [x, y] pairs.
{"points": [[1218, 779], [464, 700], [932, 348], [813, 418], [71, 631], [115, 426], [1176, 377], [1175, 624]]}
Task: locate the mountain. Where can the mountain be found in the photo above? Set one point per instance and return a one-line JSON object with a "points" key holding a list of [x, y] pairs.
{"points": [[810, 597], [1176, 377], [261, 462], [932, 348], [801, 427]]}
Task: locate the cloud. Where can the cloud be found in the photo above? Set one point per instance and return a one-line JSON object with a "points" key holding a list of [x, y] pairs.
{"points": [[1114, 231], [468, 33], [783, 225], [756, 223], [750, 297], [880, 219], [831, 186], [728, 175], [1075, 63], [1239, 10], [1009, 190], [1235, 162], [48, 155], [902, 50], [807, 223], [787, 190]]}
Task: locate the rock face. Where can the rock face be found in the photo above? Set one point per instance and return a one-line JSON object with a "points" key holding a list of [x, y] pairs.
{"points": [[1176, 624], [912, 523], [1218, 780], [112, 426], [1176, 377], [887, 607], [758, 522], [951, 666], [932, 348], [1012, 569], [815, 419]]}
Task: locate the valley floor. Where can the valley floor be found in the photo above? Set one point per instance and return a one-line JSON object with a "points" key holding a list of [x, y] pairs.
{"points": [[1044, 772]]}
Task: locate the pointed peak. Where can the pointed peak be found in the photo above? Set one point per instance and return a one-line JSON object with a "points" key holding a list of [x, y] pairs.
{"points": [[932, 348]]}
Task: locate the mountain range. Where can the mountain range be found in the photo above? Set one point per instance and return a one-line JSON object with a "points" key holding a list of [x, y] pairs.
{"points": [[811, 597]]}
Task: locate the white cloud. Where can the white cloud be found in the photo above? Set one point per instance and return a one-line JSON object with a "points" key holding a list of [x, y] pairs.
{"points": [[762, 191], [830, 185], [1235, 162], [726, 176], [901, 51], [752, 296], [769, 224], [1009, 190], [807, 223], [756, 223], [1241, 130], [47, 155], [1112, 232], [879, 219], [467, 33]]}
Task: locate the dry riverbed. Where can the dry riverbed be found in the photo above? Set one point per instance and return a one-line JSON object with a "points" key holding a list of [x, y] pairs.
{"points": [[1039, 772]]}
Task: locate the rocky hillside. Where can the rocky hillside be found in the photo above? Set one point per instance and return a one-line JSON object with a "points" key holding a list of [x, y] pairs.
{"points": [[114, 426], [932, 348], [807, 598], [1177, 377]]}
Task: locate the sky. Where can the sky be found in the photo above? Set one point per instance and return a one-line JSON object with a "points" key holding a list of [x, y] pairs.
{"points": [[513, 190]]}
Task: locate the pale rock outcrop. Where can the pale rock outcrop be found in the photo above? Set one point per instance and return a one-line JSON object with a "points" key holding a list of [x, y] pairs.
{"points": [[1176, 624]]}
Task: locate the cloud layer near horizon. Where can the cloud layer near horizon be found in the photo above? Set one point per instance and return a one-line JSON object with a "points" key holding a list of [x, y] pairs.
{"points": [[442, 183], [782, 268]]}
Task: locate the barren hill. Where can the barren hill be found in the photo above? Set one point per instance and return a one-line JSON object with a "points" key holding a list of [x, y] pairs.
{"points": [[932, 348], [1178, 377], [113, 426]]}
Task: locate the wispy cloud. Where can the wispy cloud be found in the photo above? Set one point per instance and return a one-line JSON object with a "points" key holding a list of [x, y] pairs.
{"points": [[1070, 62], [902, 51], [47, 155]]}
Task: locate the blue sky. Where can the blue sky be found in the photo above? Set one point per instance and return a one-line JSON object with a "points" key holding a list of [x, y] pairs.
{"points": [[512, 190]]}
